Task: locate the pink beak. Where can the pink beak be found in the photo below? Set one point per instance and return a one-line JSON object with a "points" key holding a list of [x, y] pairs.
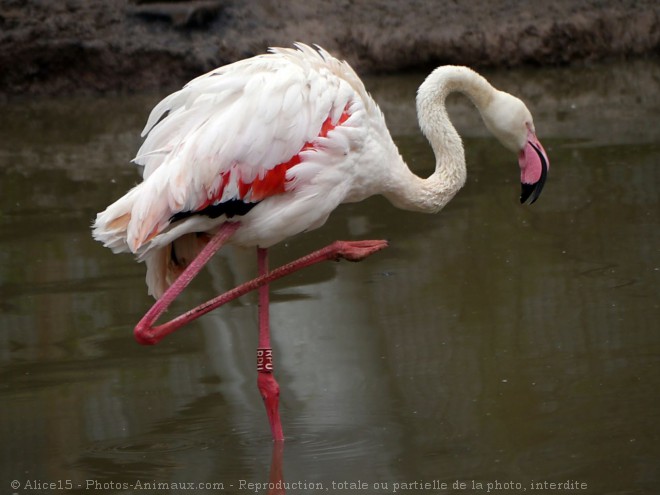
{"points": [[534, 165]]}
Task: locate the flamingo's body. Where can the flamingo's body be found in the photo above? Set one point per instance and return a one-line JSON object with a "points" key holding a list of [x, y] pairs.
{"points": [[293, 131], [266, 148]]}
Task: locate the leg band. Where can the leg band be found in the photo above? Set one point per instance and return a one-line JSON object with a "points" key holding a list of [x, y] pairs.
{"points": [[264, 360]]}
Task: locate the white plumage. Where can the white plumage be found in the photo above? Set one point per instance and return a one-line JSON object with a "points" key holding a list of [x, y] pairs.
{"points": [[294, 132]]}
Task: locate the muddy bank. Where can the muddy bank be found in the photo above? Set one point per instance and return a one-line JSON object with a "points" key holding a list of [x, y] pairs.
{"points": [[89, 46]]}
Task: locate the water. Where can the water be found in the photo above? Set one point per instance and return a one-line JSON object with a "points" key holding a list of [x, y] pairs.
{"points": [[490, 344]]}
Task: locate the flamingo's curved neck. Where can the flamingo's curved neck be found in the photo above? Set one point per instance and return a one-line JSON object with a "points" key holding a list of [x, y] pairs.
{"points": [[432, 194]]}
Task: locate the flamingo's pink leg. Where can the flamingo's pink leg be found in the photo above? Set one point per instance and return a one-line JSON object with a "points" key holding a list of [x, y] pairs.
{"points": [[147, 334], [268, 386]]}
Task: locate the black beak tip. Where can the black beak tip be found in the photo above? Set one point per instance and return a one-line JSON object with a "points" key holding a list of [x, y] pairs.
{"points": [[530, 192]]}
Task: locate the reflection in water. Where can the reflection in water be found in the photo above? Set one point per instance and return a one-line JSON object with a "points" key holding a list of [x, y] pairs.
{"points": [[489, 342], [276, 480]]}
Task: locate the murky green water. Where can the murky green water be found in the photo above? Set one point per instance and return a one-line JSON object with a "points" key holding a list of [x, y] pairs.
{"points": [[491, 343]]}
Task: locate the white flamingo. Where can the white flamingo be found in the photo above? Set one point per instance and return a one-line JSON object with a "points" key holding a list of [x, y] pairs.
{"points": [[266, 148]]}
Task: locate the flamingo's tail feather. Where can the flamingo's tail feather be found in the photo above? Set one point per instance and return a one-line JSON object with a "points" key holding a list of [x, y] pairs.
{"points": [[111, 225]]}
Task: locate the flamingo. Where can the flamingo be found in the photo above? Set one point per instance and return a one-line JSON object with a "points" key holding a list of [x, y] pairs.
{"points": [[265, 148]]}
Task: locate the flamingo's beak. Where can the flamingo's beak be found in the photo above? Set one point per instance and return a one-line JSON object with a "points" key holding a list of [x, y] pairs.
{"points": [[534, 165]]}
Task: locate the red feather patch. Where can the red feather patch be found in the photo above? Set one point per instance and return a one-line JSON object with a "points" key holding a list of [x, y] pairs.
{"points": [[274, 180]]}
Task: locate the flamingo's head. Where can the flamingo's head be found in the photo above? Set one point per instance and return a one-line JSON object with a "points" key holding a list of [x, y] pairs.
{"points": [[511, 123]]}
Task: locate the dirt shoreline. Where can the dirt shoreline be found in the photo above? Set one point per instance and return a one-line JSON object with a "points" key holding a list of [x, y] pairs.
{"points": [[95, 46]]}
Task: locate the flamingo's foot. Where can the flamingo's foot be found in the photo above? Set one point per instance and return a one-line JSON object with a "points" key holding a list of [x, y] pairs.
{"points": [[357, 250], [270, 393]]}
